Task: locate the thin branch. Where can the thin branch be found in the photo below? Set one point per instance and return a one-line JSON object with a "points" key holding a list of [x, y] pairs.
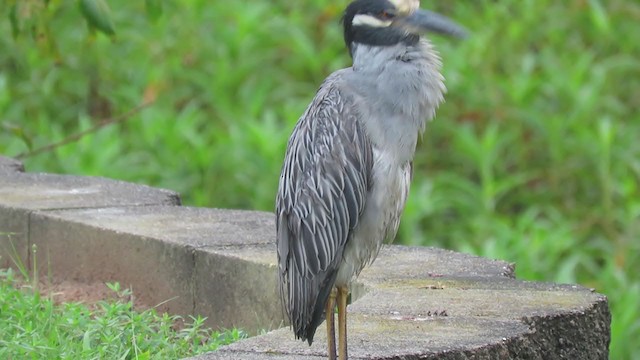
{"points": [[77, 136]]}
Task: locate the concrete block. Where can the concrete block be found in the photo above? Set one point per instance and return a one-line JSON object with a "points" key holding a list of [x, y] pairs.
{"points": [[32, 191], [151, 249], [14, 230], [192, 226], [236, 355], [412, 303], [237, 289], [424, 303], [13, 226], [157, 271], [9, 165], [23, 193]]}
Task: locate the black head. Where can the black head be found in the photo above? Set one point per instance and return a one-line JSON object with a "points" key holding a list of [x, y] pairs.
{"points": [[369, 22], [390, 22]]}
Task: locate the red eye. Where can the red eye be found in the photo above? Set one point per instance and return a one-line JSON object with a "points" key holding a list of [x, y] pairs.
{"points": [[386, 15]]}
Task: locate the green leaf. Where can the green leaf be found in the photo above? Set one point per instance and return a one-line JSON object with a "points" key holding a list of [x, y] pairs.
{"points": [[86, 341], [98, 15], [154, 9], [18, 132], [599, 16], [13, 19]]}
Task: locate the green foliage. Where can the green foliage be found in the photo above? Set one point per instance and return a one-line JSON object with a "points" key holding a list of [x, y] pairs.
{"points": [[98, 15], [33, 327], [533, 159]]}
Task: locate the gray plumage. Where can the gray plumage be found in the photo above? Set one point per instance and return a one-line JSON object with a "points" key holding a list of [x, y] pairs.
{"points": [[347, 169]]}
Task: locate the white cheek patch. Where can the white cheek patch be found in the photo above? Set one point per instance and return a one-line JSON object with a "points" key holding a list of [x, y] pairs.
{"points": [[406, 6], [363, 19]]}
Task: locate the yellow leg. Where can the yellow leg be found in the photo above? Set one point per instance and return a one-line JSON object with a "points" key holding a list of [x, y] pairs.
{"points": [[331, 328], [343, 292]]}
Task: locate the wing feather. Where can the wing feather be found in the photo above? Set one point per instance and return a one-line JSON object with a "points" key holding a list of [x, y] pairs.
{"points": [[323, 185]]}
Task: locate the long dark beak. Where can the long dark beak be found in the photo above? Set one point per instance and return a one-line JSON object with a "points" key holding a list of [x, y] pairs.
{"points": [[423, 21]]}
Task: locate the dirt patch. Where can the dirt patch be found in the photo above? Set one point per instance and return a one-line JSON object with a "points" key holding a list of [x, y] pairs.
{"points": [[66, 291], [73, 291]]}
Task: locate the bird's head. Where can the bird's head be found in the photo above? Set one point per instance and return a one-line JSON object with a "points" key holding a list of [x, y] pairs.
{"points": [[389, 22]]}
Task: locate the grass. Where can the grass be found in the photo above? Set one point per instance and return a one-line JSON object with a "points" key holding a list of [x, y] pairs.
{"points": [[533, 159], [34, 327]]}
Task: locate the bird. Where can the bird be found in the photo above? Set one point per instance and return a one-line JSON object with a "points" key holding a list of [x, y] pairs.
{"points": [[348, 162]]}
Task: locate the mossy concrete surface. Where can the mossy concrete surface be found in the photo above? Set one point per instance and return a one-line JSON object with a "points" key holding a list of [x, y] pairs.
{"points": [[412, 303], [446, 305]]}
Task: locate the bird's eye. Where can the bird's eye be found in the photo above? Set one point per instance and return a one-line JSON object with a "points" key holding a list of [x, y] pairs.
{"points": [[387, 15]]}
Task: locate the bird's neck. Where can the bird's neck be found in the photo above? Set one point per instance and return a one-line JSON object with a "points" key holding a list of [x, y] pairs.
{"points": [[403, 87]]}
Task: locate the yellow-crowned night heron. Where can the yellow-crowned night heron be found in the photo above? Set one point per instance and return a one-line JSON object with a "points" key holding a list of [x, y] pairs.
{"points": [[347, 167]]}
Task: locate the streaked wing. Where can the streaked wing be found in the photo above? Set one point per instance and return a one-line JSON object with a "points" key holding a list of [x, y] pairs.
{"points": [[323, 185]]}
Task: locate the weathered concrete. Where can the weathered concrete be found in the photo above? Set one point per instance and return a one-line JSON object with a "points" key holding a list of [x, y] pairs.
{"points": [[128, 244], [413, 303], [235, 290], [34, 191], [23, 193], [12, 225], [155, 269], [446, 305], [10, 166]]}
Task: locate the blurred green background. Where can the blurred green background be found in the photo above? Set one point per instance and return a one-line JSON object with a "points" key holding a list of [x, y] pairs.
{"points": [[534, 158]]}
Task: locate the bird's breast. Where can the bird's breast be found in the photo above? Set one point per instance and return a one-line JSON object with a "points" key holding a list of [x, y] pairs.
{"points": [[380, 217]]}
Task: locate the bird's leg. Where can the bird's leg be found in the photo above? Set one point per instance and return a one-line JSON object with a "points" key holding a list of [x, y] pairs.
{"points": [[331, 328], [343, 292]]}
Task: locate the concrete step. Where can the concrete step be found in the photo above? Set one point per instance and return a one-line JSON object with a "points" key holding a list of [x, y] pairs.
{"points": [[412, 303]]}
